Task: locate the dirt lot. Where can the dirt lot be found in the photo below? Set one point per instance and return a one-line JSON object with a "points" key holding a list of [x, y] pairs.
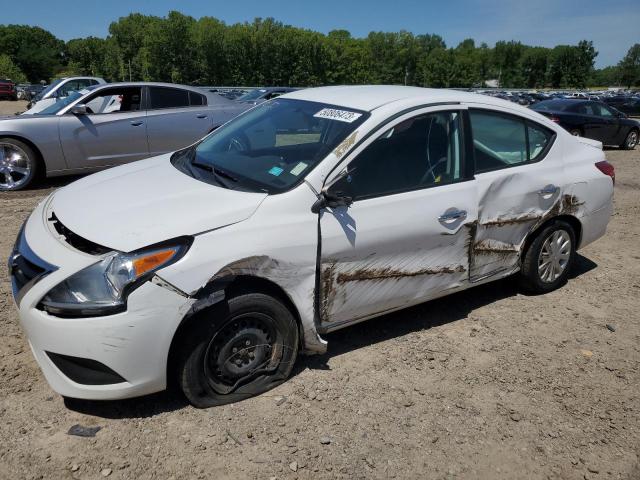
{"points": [[488, 383], [9, 108]]}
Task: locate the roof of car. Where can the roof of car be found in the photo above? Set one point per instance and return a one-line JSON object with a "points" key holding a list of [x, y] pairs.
{"points": [[370, 97]]}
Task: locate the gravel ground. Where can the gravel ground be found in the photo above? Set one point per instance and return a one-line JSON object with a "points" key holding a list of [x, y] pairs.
{"points": [[487, 383]]}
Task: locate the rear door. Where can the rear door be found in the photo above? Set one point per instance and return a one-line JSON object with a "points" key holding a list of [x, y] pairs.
{"points": [[615, 133], [176, 118], [595, 126], [111, 133], [404, 239], [520, 180]]}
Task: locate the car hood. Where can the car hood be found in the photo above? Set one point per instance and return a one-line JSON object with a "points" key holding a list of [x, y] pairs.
{"points": [[146, 202]]}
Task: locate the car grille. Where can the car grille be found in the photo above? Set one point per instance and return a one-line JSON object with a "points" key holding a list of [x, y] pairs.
{"points": [[25, 268]]}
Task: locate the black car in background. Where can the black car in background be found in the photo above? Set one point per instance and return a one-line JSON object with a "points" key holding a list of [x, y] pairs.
{"points": [[596, 120], [628, 105]]}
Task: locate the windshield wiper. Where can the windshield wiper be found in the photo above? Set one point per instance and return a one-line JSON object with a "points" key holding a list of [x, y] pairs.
{"points": [[216, 175]]}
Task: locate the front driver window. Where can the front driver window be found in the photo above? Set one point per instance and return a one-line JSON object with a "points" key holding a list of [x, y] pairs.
{"points": [[421, 152], [115, 100]]}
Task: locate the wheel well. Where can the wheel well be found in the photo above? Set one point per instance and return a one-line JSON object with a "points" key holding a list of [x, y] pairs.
{"points": [[42, 167], [571, 220], [240, 285]]}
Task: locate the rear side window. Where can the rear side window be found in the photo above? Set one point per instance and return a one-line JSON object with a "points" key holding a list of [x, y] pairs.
{"points": [[196, 100], [162, 97], [502, 140]]}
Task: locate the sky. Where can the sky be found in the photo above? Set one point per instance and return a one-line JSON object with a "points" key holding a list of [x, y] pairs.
{"points": [[612, 25]]}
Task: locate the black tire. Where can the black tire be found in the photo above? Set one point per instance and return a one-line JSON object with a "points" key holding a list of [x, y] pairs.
{"points": [[576, 132], [530, 277], [33, 161], [213, 358], [631, 140]]}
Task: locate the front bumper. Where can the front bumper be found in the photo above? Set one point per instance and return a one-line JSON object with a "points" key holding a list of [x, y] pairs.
{"points": [[134, 344]]}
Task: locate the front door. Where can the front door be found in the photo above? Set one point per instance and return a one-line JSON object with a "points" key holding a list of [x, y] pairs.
{"points": [[112, 132], [405, 237]]}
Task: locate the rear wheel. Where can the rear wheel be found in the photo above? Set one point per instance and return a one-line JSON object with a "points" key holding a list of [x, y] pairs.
{"points": [[549, 258], [631, 141], [18, 164], [235, 351]]}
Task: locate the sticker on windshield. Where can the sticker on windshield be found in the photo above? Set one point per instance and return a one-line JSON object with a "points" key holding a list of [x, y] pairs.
{"points": [[340, 115], [276, 171], [298, 169]]}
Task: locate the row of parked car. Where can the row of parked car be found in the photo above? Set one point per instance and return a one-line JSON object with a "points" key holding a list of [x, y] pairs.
{"points": [[77, 124], [627, 101]]}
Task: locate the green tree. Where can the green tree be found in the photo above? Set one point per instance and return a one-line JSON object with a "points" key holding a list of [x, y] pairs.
{"points": [[35, 51], [629, 67], [10, 70]]}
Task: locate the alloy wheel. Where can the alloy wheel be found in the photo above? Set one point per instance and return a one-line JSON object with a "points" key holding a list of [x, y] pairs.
{"points": [[15, 167], [632, 139]]}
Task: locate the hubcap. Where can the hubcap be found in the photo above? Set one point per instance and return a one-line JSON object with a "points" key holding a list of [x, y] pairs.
{"points": [[243, 347], [554, 256], [14, 167], [632, 139]]}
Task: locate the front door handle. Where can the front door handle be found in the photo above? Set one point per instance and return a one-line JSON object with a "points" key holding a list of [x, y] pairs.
{"points": [[136, 123], [202, 115], [548, 190], [452, 215]]}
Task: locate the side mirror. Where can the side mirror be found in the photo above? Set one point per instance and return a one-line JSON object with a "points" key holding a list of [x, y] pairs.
{"points": [[331, 200], [80, 109]]}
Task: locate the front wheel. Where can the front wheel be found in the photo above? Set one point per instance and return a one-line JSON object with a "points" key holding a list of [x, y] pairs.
{"points": [[549, 258], [237, 350], [631, 141], [18, 165]]}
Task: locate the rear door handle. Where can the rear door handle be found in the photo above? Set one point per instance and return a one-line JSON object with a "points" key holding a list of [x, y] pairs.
{"points": [[452, 215], [548, 190], [202, 115], [136, 123]]}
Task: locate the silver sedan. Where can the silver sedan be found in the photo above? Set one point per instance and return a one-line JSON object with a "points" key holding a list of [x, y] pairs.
{"points": [[107, 125]]}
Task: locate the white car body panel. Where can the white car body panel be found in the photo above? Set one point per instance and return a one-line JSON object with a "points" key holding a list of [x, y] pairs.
{"points": [[375, 256]]}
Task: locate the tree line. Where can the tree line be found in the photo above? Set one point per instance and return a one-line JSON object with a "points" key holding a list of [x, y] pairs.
{"points": [[206, 51]]}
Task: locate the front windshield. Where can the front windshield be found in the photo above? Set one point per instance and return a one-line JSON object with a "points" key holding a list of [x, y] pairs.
{"points": [[53, 85], [61, 103], [252, 95], [270, 148]]}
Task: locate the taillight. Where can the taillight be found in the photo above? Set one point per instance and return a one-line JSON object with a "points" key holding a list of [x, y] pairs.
{"points": [[554, 119], [606, 168]]}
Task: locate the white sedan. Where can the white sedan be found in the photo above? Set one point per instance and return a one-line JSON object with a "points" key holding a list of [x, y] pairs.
{"points": [[217, 264]]}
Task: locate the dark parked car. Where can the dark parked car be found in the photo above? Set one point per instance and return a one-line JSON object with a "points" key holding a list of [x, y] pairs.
{"points": [[596, 120], [8, 90], [628, 105]]}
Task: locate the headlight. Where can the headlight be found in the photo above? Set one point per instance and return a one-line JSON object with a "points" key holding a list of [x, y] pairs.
{"points": [[102, 288]]}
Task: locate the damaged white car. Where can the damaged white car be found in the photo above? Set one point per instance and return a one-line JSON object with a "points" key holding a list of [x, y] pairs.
{"points": [[216, 265]]}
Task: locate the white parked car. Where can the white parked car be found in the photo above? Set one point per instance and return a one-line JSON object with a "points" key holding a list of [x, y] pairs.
{"points": [[217, 264], [59, 89]]}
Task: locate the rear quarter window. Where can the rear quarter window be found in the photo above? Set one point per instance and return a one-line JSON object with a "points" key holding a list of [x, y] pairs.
{"points": [[501, 140]]}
